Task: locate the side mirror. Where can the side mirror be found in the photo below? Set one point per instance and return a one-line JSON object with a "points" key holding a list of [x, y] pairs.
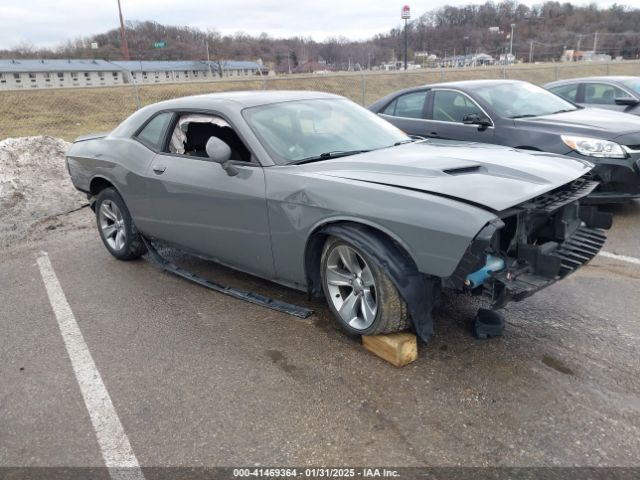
{"points": [[476, 119], [629, 101], [219, 152]]}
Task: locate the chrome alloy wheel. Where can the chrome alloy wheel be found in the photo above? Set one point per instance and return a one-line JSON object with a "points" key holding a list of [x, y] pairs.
{"points": [[112, 225], [351, 287]]}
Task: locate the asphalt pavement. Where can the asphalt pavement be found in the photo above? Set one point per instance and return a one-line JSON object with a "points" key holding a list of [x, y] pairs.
{"points": [[197, 378]]}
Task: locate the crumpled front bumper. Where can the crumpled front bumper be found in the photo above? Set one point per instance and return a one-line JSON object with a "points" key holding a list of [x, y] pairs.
{"points": [[539, 242], [511, 285]]}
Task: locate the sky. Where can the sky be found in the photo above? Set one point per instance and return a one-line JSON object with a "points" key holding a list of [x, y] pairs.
{"points": [[47, 23]]}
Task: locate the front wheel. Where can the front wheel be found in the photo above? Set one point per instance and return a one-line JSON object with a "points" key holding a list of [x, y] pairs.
{"points": [[117, 231], [360, 294]]}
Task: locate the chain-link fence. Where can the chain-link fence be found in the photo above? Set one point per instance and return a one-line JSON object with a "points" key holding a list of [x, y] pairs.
{"points": [[69, 112]]}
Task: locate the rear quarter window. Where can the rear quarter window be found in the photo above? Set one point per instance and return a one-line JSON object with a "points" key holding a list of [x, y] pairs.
{"points": [[409, 105], [568, 92], [152, 135]]}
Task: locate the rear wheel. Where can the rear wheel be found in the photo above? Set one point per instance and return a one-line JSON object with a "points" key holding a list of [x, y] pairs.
{"points": [[117, 231], [360, 294]]}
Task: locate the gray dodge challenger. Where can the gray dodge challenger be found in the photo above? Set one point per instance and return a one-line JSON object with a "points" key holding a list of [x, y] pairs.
{"points": [[314, 192]]}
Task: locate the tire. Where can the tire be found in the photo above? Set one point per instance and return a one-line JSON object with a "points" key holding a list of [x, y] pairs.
{"points": [[117, 231], [377, 308]]}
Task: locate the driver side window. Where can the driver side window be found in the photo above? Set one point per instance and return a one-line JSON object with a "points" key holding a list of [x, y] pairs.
{"points": [[602, 94], [451, 106], [192, 131]]}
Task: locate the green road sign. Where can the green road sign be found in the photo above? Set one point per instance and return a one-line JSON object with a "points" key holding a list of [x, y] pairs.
{"points": [[160, 44]]}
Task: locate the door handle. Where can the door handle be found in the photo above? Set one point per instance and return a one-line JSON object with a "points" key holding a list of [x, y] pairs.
{"points": [[433, 135], [159, 169]]}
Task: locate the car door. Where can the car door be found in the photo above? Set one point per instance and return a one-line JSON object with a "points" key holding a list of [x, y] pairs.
{"points": [[201, 208], [602, 95], [446, 110]]}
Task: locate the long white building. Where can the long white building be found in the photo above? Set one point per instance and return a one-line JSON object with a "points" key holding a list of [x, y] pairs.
{"points": [[42, 74]]}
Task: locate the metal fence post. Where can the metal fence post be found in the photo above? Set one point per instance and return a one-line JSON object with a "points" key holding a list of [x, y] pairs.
{"points": [[363, 86], [264, 83], [555, 70], [136, 93]]}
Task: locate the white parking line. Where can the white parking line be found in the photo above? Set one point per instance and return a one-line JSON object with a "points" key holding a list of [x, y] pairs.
{"points": [[114, 444], [622, 258]]}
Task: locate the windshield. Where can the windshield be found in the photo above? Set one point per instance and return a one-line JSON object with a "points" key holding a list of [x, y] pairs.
{"points": [[304, 129], [633, 84], [520, 100]]}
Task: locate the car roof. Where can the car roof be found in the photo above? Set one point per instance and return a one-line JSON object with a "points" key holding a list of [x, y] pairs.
{"points": [[471, 84], [226, 103], [461, 85], [244, 99], [610, 79]]}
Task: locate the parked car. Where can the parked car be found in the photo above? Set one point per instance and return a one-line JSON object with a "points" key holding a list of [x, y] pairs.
{"points": [[314, 192], [621, 94], [521, 115]]}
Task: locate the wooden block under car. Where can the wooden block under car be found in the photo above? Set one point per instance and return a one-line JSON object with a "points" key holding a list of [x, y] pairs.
{"points": [[398, 349]]}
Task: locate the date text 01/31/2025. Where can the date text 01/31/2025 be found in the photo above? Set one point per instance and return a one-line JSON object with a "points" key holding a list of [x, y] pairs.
{"points": [[315, 472]]}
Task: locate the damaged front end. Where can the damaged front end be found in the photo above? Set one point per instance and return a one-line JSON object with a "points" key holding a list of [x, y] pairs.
{"points": [[532, 245]]}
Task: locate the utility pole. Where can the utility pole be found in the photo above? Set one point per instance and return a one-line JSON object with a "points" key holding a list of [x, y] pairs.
{"points": [[406, 43], [123, 36], [511, 43], [530, 51], [405, 14], [595, 44]]}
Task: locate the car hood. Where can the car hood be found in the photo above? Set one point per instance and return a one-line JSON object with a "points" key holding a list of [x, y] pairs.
{"points": [[597, 122], [490, 176]]}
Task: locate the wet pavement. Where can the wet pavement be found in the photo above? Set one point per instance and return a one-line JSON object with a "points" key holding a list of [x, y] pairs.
{"points": [[201, 379]]}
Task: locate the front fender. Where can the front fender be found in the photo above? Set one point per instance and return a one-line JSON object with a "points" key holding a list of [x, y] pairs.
{"points": [[435, 231]]}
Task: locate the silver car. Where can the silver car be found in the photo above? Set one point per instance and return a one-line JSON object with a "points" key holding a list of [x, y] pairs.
{"points": [[314, 192]]}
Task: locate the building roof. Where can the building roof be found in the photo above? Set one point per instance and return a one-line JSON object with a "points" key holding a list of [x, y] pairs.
{"points": [[178, 65], [56, 65], [78, 65], [160, 66]]}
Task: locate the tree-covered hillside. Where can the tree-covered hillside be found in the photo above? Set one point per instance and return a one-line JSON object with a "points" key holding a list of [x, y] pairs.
{"points": [[546, 30]]}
